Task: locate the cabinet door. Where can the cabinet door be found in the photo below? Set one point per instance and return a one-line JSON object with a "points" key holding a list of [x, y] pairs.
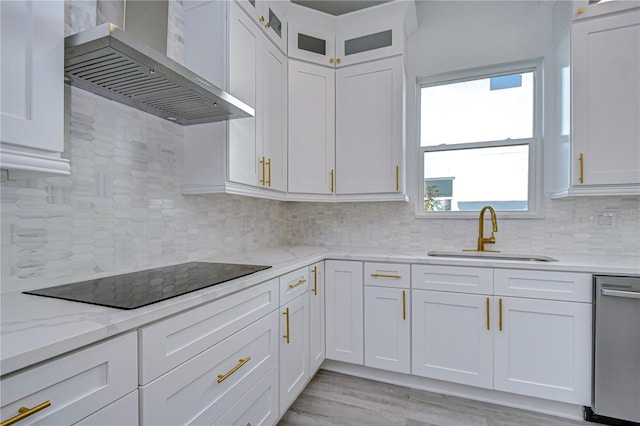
{"points": [[123, 412], [311, 128], [316, 318], [543, 349], [452, 337], [369, 130], [244, 49], [387, 329], [33, 86], [312, 44], [344, 311], [294, 349], [605, 57], [273, 118]]}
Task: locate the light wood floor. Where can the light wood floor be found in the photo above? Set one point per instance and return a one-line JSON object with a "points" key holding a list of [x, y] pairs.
{"points": [[337, 399]]}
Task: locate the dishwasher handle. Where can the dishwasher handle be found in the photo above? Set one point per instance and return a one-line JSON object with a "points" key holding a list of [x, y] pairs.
{"points": [[620, 293]]}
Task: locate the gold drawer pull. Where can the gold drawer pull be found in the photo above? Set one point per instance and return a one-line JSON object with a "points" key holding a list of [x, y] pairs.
{"points": [[500, 314], [386, 276], [222, 377], [581, 160], [404, 305], [25, 412], [300, 282], [488, 318]]}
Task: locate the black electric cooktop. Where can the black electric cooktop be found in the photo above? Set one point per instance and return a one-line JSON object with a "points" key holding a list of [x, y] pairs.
{"points": [[136, 289]]}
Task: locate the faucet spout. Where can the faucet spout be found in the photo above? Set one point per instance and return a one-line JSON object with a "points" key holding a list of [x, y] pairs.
{"points": [[494, 222]]}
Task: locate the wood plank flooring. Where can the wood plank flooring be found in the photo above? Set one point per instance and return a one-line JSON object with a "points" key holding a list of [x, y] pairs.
{"points": [[337, 399]]}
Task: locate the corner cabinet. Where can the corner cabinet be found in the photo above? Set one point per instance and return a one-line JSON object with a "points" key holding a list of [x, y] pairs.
{"points": [[370, 128], [32, 128], [603, 156]]}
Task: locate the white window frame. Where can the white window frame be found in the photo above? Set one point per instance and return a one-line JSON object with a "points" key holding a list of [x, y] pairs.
{"points": [[535, 189]]}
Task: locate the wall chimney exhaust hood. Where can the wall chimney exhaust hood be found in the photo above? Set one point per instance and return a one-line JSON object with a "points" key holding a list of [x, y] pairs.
{"points": [[113, 63]]}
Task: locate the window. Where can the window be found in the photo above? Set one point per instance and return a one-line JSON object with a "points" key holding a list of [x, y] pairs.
{"points": [[478, 142]]}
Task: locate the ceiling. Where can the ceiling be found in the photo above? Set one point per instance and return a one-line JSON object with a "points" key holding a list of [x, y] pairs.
{"points": [[338, 7]]}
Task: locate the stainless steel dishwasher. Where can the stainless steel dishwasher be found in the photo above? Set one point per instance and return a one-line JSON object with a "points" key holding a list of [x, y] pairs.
{"points": [[616, 349]]}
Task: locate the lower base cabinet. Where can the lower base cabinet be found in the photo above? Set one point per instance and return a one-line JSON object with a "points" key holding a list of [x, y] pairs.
{"points": [[294, 349], [197, 391]]}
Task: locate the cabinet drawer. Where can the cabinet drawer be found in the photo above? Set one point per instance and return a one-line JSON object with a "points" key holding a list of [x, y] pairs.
{"points": [[199, 390], [569, 286], [259, 406], [452, 278], [168, 343], [294, 284], [76, 385], [396, 275], [123, 412]]}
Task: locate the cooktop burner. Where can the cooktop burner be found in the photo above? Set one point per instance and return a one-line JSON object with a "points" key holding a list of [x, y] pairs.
{"points": [[136, 289]]}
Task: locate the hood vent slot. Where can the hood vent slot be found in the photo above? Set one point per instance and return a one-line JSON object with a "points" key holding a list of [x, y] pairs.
{"points": [[109, 62]]}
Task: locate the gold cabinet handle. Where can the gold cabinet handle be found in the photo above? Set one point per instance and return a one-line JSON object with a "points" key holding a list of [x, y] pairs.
{"points": [[262, 19], [25, 412], [397, 178], [331, 60], [338, 61], [269, 168], [315, 280], [262, 163], [223, 377], [500, 314], [580, 10], [581, 160], [267, 25], [404, 305], [386, 276], [299, 283], [332, 181], [286, 314], [488, 320]]}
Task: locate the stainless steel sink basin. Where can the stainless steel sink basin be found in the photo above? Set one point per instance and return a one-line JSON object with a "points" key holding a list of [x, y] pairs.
{"points": [[493, 255]]}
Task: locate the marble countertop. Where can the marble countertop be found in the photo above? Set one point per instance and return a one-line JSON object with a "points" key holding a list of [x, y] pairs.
{"points": [[34, 328]]}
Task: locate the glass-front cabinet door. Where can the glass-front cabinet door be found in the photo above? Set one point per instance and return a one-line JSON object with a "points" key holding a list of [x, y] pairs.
{"points": [[590, 8], [312, 45], [270, 16]]}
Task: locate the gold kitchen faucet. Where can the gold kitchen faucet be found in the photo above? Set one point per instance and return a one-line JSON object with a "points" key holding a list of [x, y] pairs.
{"points": [[481, 238]]}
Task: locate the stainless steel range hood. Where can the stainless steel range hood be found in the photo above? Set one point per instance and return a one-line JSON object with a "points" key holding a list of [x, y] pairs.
{"points": [[112, 63]]}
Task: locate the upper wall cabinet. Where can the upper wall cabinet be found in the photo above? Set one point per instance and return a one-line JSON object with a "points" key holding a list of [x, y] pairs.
{"points": [[589, 8], [271, 17], [32, 126], [601, 150], [366, 35]]}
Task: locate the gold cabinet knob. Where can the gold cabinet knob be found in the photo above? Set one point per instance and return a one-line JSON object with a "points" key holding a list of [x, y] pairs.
{"points": [[262, 19], [331, 60], [267, 25], [338, 60], [580, 10]]}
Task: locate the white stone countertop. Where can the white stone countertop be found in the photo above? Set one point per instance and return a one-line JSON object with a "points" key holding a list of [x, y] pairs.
{"points": [[36, 328]]}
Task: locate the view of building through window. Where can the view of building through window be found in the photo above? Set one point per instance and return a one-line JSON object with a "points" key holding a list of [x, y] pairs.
{"points": [[475, 140]]}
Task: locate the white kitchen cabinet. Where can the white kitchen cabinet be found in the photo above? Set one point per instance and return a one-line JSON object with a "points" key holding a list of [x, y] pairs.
{"points": [[344, 311], [600, 155], [316, 318], [197, 391], [588, 8], [259, 406], [452, 338], [32, 104], [542, 348], [311, 128], [530, 344], [312, 43], [123, 412], [258, 77], [387, 331], [74, 386], [294, 284], [270, 16], [294, 349], [370, 128], [170, 342]]}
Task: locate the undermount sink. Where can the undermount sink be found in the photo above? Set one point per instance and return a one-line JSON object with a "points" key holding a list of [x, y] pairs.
{"points": [[493, 255]]}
